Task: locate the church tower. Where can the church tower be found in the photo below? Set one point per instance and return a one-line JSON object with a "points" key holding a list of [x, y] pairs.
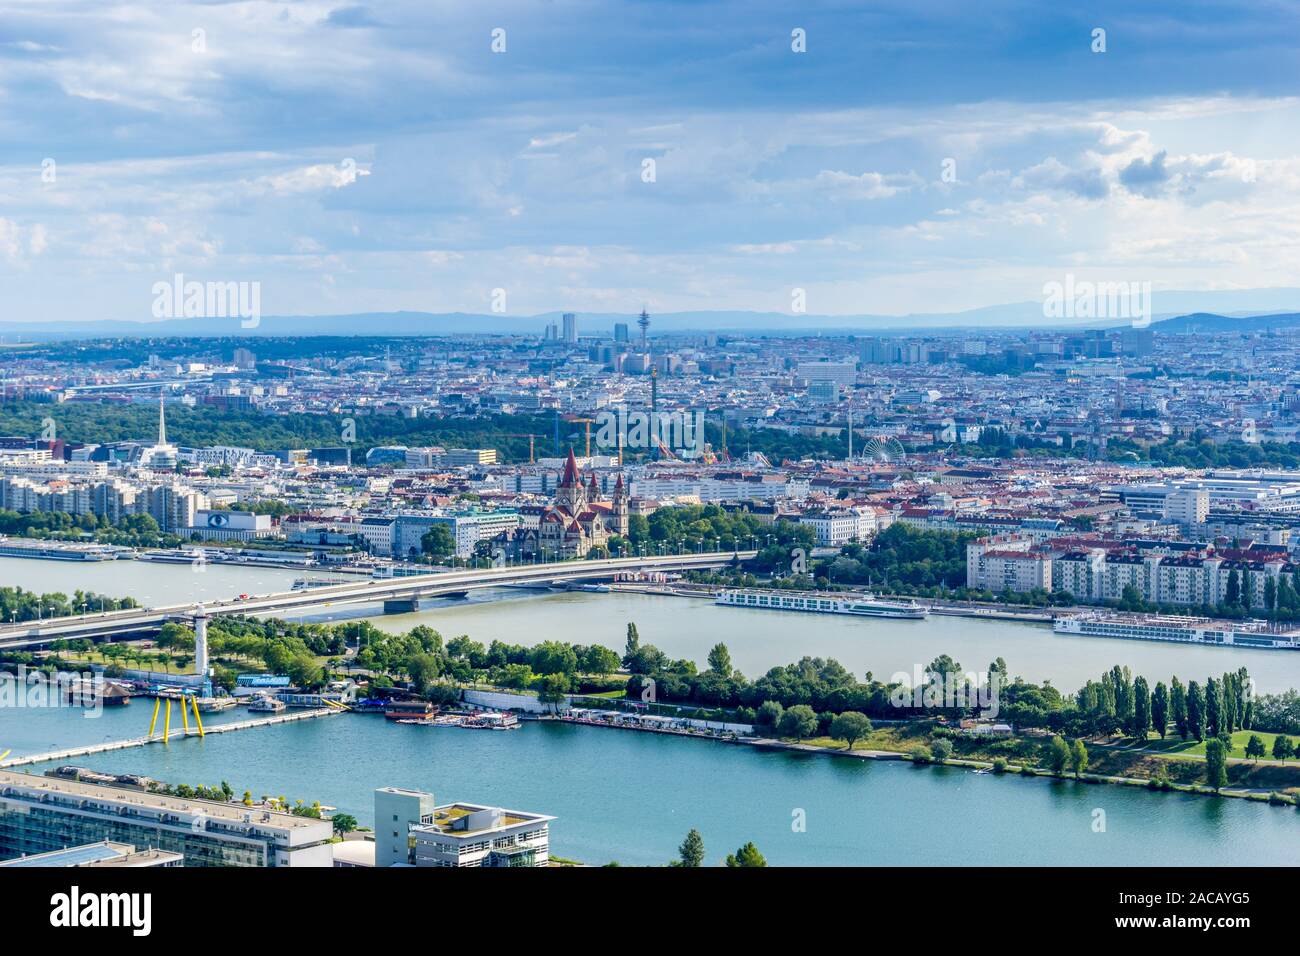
{"points": [[619, 513], [570, 493]]}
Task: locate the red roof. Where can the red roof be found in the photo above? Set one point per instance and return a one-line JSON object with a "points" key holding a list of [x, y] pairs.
{"points": [[570, 472]]}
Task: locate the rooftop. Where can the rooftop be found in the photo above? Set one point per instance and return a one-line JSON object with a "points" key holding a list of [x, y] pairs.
{"points": [[225, 812]]}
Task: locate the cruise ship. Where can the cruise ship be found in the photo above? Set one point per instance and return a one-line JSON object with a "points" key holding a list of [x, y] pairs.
{"points": [[1179, 629], [862, 605]]}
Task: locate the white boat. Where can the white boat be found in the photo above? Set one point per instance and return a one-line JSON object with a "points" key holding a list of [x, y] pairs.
{"points": [[262, 704], [860, 605], [306, 584], [1179, 629]]}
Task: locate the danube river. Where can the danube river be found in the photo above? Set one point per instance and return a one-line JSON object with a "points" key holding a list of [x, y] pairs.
{"points": [[688, 627], [631, 797]]}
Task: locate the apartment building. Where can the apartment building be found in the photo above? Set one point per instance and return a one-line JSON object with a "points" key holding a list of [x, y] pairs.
{"points": [[999, 562]]}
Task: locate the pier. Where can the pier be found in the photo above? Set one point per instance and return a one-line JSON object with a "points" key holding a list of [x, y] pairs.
{"points": [[72, 752]]}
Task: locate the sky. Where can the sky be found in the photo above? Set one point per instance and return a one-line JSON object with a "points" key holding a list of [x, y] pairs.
{"points": [[918, 156]]}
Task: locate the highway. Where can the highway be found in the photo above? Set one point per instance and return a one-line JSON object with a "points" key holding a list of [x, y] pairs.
{"points": [[144, 620]]}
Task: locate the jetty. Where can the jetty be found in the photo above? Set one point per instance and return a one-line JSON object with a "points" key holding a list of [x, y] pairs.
{"points": [[71, 752]]}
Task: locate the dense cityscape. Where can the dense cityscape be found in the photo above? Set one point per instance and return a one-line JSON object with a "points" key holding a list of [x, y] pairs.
{"points": [[648, 437]]}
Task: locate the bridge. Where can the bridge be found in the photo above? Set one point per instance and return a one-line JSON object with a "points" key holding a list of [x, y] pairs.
{"points": [[398, 595]]}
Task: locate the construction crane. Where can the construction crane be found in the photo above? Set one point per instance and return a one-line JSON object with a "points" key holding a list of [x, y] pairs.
{"points": [[587, 422]]}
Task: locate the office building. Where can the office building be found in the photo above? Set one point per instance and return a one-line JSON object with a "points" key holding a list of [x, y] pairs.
{"points": [[44, 814], [411, 830]]}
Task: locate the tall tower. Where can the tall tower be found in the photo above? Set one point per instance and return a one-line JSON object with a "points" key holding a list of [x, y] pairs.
{"points": [[570, 494], [619, 513], [201, 643], [643, 323], [162, 422]]}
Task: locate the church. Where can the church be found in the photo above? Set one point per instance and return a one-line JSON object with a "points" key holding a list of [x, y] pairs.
{"points": [[577, 520]]}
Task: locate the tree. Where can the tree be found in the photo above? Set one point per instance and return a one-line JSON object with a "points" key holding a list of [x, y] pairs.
{"points": [[344, 823], [1160, 709], [1282, 747], [1233, 591], [720, 660], [691, 852], [553, 690], [850, 727], [1213, 708], [941, 749], [1057, 755], [1140, 722], [633, 643], [597, 659], [747, 855], [1216, 763], [438, 542], [1195, 710], [1255, 747], [799, 721], [1178, 706], [769, 714], [1078, 757]]}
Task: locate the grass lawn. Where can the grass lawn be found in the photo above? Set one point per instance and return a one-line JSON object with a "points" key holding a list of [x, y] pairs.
{"points": [[1175, 746], [896, 737]]}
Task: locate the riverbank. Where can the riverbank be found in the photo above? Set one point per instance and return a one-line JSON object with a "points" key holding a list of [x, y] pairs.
{"points": [[1270, 781]]}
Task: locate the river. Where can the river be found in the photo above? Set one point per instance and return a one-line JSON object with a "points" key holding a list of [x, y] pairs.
{"points": [[688, 627], [631, 797]]}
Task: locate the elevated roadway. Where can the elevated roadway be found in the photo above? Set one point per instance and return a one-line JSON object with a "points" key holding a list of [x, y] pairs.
{"points": [[396, 594]]}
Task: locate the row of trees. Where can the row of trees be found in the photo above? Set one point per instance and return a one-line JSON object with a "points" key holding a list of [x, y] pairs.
{"points": [[130, 531], [1119, 702]]}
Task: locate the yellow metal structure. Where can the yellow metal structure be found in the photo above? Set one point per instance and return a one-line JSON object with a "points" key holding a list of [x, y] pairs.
{"points": [[185, 714], [5, 754], [198, 721], [167, 721], [157, 702]]}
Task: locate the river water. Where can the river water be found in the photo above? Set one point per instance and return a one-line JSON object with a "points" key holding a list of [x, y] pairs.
{"points": [[631, 797]]}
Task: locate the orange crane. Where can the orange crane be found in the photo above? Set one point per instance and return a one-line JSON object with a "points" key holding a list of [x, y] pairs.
{"points": [[587, 422]]}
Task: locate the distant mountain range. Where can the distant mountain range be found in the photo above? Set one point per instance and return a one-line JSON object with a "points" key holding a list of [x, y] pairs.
{"points": [[1247, 310]]}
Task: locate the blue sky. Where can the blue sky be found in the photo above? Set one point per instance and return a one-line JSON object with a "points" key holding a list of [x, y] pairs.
{"points": [[369, 157]]}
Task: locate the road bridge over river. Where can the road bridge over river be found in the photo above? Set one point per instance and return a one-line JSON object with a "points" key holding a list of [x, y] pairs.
{"points": [[396, 594]]}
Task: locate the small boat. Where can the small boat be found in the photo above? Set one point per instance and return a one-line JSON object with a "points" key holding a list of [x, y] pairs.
{"points": [[262, 704], [593, 588], [306, 584], [212, 705], [491, 720]]}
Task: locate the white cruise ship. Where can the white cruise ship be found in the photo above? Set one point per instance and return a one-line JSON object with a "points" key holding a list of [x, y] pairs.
{"points": [[1178, 629], [862, 605]]}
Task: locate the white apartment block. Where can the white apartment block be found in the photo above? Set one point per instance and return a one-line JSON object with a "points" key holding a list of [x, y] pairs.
{"points": [[1007, 561], [411, 830]]}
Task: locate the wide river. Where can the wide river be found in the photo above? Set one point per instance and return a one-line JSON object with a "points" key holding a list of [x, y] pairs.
{"points": [[631, 797]]}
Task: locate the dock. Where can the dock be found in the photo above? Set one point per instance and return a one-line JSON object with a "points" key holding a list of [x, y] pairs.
{"points": [[71, 752]]}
